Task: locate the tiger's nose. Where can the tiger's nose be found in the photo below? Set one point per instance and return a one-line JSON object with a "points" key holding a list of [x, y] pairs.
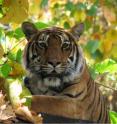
{"points": [[54, 63]]}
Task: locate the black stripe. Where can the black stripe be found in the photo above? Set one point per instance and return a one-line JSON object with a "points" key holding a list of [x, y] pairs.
{"points": [[104, 110], [68, 85], [73, 96], [71, 58], [77, 56], [61, 87], [100, 115], [27, 55], [107, 116], [89, 84], [101, 110], [87, 88], [93, 99], [99, 102]]}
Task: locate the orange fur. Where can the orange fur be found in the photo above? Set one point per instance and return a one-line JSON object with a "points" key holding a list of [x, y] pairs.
{"points": [[72, 93]]}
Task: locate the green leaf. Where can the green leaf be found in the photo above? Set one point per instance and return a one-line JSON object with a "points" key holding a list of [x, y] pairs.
{"points": [[96, 28], [1, 15], [92, 11], [10, 33], [1, 32], [27, 95], [66, 25], [5, 69], [96, 2], [18, 33], [19, 56], [1, 2], [11, 56], [92, 46], [70, 6], [97, 55], [43, 3], [113, 117], [56, 6], [107, 65], [88, 24], [81, 6], [41, 25]]}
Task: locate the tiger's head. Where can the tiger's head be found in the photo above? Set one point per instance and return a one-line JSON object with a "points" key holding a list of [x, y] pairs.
{"points": [[52, 53]]}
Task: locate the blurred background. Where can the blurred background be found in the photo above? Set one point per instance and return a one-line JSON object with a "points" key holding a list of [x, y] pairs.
{"points": [[99, 40]]}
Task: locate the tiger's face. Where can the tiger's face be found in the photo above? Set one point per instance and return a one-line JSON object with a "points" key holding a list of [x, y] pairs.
{"points": [[51, 54]]}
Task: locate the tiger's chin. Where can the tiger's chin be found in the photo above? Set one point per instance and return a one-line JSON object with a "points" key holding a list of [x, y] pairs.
{"points": [[52, 81]]}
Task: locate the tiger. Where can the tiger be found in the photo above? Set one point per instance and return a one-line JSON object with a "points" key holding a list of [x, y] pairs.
{"points": [[58, 76]]}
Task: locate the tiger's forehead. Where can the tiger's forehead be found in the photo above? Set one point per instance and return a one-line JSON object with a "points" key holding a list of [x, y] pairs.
{"points": [[45, 34], [53, 31]]}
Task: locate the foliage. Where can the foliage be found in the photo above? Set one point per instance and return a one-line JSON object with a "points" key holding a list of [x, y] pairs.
{"points": [[10, 8], [106, 66], [113, 116], [99, 17], [99, 40]]}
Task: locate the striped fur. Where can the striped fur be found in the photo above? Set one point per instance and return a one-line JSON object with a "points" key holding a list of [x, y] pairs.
{"points": [[58, 75]]}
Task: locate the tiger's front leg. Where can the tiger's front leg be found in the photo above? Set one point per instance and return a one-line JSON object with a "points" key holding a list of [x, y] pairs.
{"points": [[60, 106]]}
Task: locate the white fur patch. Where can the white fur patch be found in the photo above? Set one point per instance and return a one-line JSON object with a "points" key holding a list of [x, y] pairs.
{"points": [[52, 81]]}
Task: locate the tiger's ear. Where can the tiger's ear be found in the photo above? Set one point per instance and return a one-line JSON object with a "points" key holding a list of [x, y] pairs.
{"points": [[77, 30], [29, 29]]}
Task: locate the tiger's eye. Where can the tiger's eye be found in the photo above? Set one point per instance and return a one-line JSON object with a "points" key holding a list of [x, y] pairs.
{"points": [[65, 45], [42, 45]]}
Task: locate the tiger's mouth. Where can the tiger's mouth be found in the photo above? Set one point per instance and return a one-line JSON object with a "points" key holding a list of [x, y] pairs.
{"points": [[52, 79], [51, 75]]}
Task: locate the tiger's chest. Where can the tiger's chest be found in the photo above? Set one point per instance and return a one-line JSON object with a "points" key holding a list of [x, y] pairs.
{"points": [[36, 86], [70, 89]]}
